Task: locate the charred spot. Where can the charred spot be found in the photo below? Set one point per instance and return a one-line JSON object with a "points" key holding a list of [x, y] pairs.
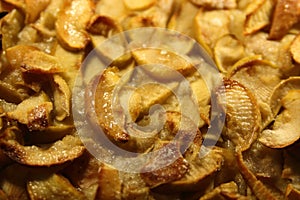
{"points": [[38, 118], [122, 137]]}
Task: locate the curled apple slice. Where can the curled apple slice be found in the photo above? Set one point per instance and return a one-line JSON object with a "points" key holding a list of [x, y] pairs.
{"points": [[103, 25], [72, 22], [292, 83], [61, 151], [223, 52], [210, 26], [103, 105], [242, 114], [284, 131], [260, 77], [62, 98]]}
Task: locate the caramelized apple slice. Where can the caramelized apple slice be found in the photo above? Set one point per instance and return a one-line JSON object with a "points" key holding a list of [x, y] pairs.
{"points": [[260, 77], [103, 25], [72, 22], [67, 149], [11, 25], [33, 60], [34, 112], [242, 114], [103, 105]]}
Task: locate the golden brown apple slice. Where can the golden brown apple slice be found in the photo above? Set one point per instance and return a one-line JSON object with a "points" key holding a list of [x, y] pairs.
{"points": [[162, 57], [72, 22], [242, 114], [182, 19], [260, 77], [133, 186], [11, 25], [103, 105], [103, 25], [61, 151], [32, 60]]}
